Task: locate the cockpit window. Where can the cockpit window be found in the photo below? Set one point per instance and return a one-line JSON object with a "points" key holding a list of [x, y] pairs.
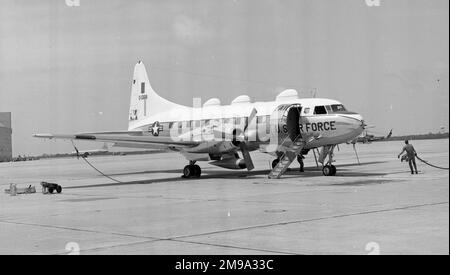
{"points": [[338, 108], [320, 110]]}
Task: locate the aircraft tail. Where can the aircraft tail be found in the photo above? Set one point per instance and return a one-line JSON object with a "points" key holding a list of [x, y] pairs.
{"points": [[389, 135], [145, 102]]}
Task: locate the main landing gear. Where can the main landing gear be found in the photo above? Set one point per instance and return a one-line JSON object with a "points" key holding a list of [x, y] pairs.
{"points": [[192, 170]]}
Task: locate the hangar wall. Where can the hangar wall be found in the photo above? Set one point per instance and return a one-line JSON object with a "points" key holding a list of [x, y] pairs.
{"points": [[5, 137]]}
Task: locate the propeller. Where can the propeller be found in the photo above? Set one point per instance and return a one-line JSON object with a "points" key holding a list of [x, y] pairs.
{"points": [[241, 141]]}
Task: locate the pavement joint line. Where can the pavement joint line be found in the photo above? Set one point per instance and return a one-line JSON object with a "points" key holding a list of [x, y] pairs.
{"points": [[76, 229], [111, 246], [311, 220], [237, 247], [178, 238], [191, 242]]}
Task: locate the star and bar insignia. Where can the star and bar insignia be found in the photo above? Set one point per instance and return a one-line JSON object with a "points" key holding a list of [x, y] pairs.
{"points": [[156, 128]]}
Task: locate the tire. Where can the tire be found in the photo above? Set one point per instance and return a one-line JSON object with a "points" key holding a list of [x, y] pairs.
{"points": [[197, 171], [187, 171], [333, 170], [59, 189], [326, 170], [50, 190], [275, 162]]}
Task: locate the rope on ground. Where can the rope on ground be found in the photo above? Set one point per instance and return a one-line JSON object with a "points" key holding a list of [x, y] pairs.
{"points": [[90, 164], [427, 163]]}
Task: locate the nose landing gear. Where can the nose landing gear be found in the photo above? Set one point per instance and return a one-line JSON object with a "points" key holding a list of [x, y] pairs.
{"points": [[329, 170]]}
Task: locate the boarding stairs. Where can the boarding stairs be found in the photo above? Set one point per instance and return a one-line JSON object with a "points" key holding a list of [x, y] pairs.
{"points": [[288, 156]]}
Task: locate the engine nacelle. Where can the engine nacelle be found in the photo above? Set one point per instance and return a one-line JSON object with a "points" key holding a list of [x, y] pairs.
{"points": [[230, 163]]}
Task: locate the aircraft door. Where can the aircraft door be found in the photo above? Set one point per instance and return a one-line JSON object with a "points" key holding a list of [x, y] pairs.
{"points": [[285, 122]]}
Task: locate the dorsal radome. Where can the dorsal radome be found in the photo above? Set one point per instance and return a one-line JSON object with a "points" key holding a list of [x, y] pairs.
{"points": [[288, 94], [212, 102], [241, 99]]}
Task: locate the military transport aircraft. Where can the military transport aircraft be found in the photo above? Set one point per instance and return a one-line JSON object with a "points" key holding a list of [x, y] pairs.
{"points": [[286, 128]]}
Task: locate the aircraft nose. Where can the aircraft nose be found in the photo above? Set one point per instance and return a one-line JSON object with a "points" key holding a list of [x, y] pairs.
{"points": [[357, 121], [360, 119], [362, 124]]}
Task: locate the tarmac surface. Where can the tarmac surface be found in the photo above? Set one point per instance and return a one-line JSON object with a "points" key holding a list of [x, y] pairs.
{"points": [[377, 207]]}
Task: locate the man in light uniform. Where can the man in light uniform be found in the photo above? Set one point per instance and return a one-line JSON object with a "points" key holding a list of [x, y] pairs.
{"points": [[411, 156]]}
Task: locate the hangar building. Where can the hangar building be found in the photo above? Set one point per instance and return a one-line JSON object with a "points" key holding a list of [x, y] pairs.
{"points": [[5, 137]]}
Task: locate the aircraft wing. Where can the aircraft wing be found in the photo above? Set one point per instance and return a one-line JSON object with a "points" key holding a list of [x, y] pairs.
{"points": [[124, 139]]}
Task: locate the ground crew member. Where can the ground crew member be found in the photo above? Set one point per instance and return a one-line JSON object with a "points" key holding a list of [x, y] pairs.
{"points": [[300, 161], [411, 154]]}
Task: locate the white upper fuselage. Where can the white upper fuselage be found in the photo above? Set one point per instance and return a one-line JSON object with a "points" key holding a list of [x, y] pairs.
{"points": [[186, 123]]}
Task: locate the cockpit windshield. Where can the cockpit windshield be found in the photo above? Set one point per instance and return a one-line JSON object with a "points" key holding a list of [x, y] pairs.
{"points": [[329, 109], [336, 108]]}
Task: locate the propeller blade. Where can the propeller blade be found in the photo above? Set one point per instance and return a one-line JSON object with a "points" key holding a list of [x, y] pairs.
{"points": [[247, 157], [250, 121], [251, 117]]}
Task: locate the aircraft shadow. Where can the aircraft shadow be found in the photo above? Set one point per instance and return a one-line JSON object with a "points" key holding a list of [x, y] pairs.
{"points": [[211, 174], [362, 164], [168, 171], [310, 172], [179, 171]]}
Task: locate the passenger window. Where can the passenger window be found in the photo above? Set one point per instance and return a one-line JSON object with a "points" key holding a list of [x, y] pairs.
{"points": [[320, 110], [307, 111]]}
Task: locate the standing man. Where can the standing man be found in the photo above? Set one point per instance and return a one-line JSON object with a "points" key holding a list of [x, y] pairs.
{"points": [[300, 161], [411, 153]]}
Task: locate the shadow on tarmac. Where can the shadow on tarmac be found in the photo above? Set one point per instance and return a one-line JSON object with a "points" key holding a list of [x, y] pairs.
{"points": [[220, 174]]}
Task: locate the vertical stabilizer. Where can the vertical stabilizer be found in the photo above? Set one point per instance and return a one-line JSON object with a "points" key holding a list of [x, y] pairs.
{"points": [[145, 102]]}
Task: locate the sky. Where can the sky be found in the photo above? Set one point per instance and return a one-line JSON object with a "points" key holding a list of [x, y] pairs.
{"points": [[69, 69]]}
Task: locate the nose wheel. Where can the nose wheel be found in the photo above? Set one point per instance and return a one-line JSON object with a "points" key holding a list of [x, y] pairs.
{"points": [[329, 170], [192, 171]]}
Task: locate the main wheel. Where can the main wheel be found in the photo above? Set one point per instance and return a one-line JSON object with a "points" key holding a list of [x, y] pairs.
{"points": [[333, 170], [188, 171], [50, 190], [275, 163], [59, 189], [327, 170], [197, 171]]}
